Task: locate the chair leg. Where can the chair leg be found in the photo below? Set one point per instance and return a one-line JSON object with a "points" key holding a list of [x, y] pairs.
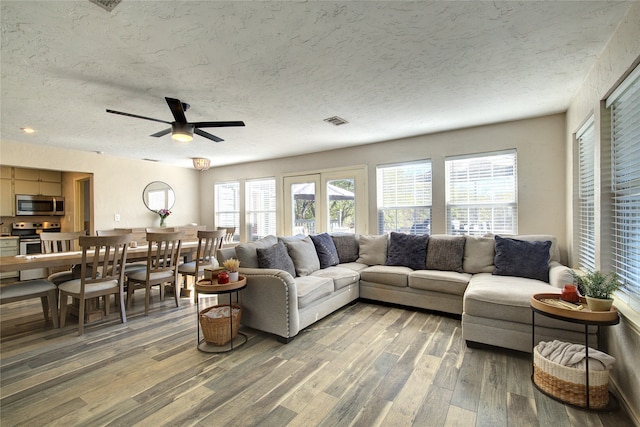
{"points": [[53, 304], [63, 309], [146, 300], [130, 287], [120, 297], [45, 307], [176, 295], [81, 310]]}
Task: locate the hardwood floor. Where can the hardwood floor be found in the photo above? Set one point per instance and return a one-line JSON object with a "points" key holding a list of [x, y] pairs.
{"points": [[365, 365]]}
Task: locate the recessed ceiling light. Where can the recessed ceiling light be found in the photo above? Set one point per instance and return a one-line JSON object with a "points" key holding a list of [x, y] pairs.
{"points": [[28, 130]]}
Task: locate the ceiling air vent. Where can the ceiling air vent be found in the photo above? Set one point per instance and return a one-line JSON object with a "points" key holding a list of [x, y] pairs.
{"points": [[108, 5], [335, 120]]}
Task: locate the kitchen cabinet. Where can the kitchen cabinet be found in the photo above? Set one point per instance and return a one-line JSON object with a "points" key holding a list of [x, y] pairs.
{"points": [[37, 182], [6, 192], [9, 247]]}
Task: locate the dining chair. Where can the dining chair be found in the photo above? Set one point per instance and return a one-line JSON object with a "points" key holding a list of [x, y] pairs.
{"points": [[163, 258], [208, 243], [101, 274], [229, 233], [129, 266], [54, 242], [37, 288]]}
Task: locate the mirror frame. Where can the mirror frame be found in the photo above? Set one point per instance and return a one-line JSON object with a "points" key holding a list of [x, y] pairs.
{"points": [[170, 198]]}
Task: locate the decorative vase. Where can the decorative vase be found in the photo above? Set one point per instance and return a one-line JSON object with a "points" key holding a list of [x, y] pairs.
{"points": [[162, 223], [599, 304], [233, 276]]}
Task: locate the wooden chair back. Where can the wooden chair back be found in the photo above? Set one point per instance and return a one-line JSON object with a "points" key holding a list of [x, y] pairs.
{"points": [[164, 252], [208, 244], [52, 242], [229, 233]]}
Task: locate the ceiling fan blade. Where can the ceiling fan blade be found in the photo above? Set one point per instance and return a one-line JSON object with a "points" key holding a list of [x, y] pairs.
{"points": [[161, 133], [216, 124], [136, 116], [207, 135], [176, 109]]}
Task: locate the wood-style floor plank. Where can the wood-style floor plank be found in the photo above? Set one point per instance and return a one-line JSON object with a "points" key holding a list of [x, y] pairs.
{"points": [[365, 365]]}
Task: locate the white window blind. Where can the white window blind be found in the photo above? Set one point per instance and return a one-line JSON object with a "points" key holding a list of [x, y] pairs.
{"points": [[261, 208], [227, 205], [624, 105], [586, 194], [482, 193], [404, 197]]}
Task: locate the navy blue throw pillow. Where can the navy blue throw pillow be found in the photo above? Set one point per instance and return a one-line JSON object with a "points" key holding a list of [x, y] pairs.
{"points": [[407, 250], [522, 259], [326, 250]]}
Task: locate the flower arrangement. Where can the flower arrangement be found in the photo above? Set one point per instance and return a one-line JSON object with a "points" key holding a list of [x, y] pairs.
{"points": [[164, 213], [231, 264]]}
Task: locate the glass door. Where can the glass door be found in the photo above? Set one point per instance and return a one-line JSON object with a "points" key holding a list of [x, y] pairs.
{"points": [[302, 194]]}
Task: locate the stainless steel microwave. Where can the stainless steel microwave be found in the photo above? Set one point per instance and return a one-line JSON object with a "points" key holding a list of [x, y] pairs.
{"points": [[39, 205]]}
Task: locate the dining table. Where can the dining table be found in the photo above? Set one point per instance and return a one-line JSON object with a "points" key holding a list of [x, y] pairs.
{"points": [[60, 259]]}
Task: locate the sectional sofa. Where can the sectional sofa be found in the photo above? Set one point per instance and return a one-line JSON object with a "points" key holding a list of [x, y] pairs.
{"points": [[293, 282]]}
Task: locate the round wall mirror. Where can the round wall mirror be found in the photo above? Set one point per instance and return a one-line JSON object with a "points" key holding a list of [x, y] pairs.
{"points": [[158, 195]]}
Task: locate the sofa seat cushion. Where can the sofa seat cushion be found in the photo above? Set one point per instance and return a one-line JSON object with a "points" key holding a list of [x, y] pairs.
{"points": [[448, 282], [387, 275], [509, 298], [342, 277], [312, 288], [355, 266]]}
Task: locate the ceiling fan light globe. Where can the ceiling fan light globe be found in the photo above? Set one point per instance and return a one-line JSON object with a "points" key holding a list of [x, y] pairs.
{"points": [[182, 136]]}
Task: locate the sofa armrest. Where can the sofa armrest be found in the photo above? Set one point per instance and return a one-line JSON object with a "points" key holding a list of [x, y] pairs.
{"points": [[559, 275], [270, 301]]}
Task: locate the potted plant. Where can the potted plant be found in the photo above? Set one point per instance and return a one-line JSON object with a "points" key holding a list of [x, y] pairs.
{"points": [[232, 266], [597, 288]]}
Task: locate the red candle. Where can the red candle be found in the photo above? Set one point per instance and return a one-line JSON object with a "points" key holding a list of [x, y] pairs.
{"points": [[570, 293], [223, 278]]}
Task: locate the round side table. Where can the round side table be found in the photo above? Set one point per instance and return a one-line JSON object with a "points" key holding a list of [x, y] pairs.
{"points": [[547, 305], [211, 287]]}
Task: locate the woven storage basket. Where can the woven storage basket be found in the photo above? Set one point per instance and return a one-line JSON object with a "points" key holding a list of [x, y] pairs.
{"points": [[216, 331], [569, 384]]}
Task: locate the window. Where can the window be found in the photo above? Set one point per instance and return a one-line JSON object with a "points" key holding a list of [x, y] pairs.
{"points": [[624, 105], [261, 208], [482, 193], [404, 198], [586, 202], [227, 205]]}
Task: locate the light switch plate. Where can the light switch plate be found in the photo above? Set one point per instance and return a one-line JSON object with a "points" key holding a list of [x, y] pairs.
{"points": [[116, 217]]}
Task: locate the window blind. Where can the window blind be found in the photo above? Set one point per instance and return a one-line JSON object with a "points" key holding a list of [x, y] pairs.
{"points": [[625, 162], [586, 194], [227, 204], [404, 197], [261, 208], [481, 193]]}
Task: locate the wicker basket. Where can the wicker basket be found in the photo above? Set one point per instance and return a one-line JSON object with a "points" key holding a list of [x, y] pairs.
{"points": [[216, 330], [569, 384]]}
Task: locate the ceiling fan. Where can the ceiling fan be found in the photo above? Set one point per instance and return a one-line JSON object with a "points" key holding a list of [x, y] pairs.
{"points": [[181, 130]]}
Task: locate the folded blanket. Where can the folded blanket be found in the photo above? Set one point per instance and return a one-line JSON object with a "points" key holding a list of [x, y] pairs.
{"points": [[574, 355]]}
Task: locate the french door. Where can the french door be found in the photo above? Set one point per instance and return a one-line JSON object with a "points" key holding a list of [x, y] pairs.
{"points": [[331, 201]]}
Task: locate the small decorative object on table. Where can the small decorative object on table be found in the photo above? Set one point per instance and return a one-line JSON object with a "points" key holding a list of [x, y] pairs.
{"points": [[232, 266], [570, 293], [223, 278], [164, 213], [597, 288]]}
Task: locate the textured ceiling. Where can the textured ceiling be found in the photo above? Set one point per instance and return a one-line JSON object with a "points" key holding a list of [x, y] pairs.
{"points": [[391, 69]]}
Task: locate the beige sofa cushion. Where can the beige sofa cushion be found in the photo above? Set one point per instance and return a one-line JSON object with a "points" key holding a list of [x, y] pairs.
{"points": [[479, 253], [373, 249], [448, 282], [311, 289], [342, 277], [386, 275], [303, 254]]}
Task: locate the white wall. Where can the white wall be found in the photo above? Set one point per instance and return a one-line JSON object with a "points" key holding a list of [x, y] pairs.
{"points": [[617, 59], [541, 168], [117, 183]]}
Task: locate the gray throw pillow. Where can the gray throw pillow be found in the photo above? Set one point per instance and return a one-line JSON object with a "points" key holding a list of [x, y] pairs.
{"points": [[347, 246], [445, 253], [304, 256], [407, 250], [522, 259], [373, 249], [326, 250], [246, 252], [276, 256]]}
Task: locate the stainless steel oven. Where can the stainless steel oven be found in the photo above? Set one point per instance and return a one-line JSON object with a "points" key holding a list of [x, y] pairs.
{"points": [[29, 233]]}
